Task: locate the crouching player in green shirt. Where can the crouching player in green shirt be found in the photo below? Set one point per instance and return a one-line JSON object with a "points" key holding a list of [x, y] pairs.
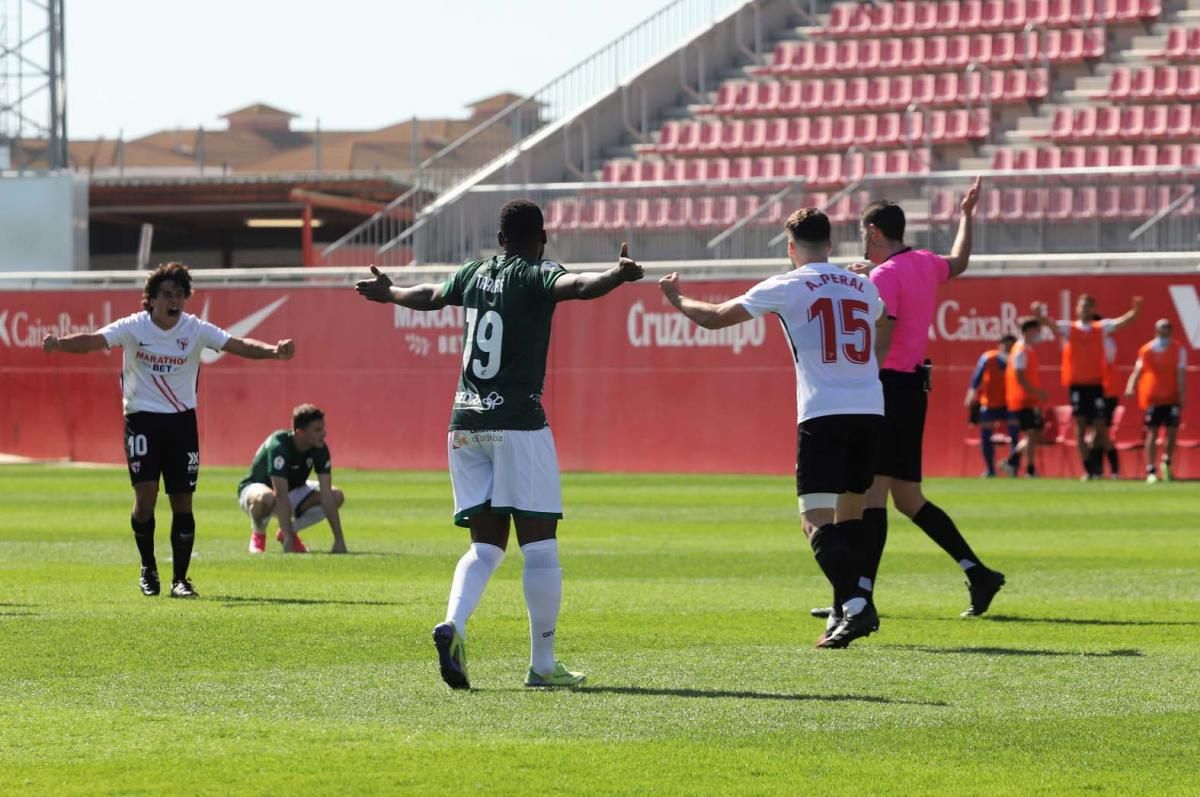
{"points": [[278, 484]]}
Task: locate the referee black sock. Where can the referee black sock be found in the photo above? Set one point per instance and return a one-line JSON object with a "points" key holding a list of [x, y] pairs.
{"points": [[873, 533], [832, 555], [143, 535], [183, 534], [1114, 461], [941, 529]]}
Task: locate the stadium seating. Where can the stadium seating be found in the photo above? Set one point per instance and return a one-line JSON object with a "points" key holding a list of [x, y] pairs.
{"points": [[748, 136], [1154, 84], [1147, 122], [1097, 156], [934, 53], [1183, 44], [1066, 204], [906, 17], [879, 93]]}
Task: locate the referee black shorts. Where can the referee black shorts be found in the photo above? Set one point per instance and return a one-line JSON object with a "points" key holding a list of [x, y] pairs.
{"points": [[898, 452], [165, 444]]}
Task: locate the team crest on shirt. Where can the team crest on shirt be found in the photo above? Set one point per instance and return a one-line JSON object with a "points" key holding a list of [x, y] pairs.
{"points": [[278, 463], [183, 342]]}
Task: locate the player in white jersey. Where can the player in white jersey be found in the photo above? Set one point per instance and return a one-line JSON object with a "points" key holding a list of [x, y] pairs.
{"points": [[829, 316], [162, 347]]}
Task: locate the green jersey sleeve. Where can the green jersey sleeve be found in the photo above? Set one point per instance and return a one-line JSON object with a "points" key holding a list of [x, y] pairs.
{"points": [[550, 273], [277, 459], [321, 461], [454, 287]]}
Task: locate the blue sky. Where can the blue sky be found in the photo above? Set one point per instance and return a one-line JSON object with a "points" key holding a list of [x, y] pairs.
{"points": [[146, 65]]}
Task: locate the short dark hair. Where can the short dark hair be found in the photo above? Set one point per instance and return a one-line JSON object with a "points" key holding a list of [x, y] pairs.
{"points": [[1009, 339], [887, 216], [809, 226], [305, 414], [1030, 323], [521, 221], [174, 272]]}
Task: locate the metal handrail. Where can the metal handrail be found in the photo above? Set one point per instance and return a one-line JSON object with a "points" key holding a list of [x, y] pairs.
{"points": [[384, 211], [830, 201], [1162, 214], [772, 200], [908, 139]]}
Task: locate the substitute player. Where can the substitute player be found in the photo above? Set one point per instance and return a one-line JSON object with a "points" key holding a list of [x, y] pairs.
{"points": [[1112, 399], [829, 316], [278, 485], [1025, 395], [502, 460], [1083, 366], [161, 363], [908, 280], [1159, 379], [987, 403]]}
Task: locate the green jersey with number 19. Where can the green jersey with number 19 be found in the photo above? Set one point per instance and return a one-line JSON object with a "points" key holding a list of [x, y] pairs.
{"points": [[507, 308]]}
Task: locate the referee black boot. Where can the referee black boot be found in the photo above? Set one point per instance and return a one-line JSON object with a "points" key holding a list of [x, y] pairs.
{"points": [[983, 589], [182, 588], [149, 582], [851, 628]]}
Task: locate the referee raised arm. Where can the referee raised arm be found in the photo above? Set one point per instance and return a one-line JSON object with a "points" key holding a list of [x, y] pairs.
{"points": [[908, 281]]}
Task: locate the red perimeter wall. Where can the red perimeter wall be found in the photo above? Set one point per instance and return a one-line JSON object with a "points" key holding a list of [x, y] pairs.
{"points": [[629, 387]]}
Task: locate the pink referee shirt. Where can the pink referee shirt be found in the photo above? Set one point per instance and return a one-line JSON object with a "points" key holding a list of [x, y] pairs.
{"points": [[908, 283]]}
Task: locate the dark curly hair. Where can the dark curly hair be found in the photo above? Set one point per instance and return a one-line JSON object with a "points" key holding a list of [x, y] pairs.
{"points": [[521, 222], [304, 414], [175, 272]]}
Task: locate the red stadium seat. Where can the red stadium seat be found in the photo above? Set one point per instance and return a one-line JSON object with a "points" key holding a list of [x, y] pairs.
{"points": [[829, 56], [746, 136], [1179, 121], [1120, 84], [1058, 204], [840, 16], [798, 132], [1037, 13], [1188, 89], [785, 169], [740, 168], [891, 130], [857, 91], [948, 16], [731, 96], [1058, 13], [776, 135], [672, 134], [833, 95], [992, 15], [925, 17], [1121, 123], [1062, 125], [1176, 48], [912, 55], [841, 133], [1168, 155], [904, 16], [899, 92], [1002, 49], [821, 132], [867, 56], [829, 170], [946, 86], [1155, 126], [958, 51], [891, 54], [923, 89], [934, 54]]}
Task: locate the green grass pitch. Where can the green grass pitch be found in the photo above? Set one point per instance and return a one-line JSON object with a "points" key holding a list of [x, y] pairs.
{"points": [[686, 602]]}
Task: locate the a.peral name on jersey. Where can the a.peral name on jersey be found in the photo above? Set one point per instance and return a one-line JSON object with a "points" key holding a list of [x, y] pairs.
{"points": [[849, 280], [674, 330]]}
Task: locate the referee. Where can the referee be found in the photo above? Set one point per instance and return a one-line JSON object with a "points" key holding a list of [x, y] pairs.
{"points": [[908, 280], [162, 347]]}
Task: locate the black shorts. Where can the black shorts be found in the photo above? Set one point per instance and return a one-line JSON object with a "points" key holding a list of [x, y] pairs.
{"points": [[898, 452], [1110, 409], [1163, 415], [1087, 402], [163, 444], [834, 453], [1030, 419]]}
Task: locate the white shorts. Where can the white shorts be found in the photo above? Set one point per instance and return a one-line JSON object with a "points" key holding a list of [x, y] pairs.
{"points": [[509, 472], [295, 496]]}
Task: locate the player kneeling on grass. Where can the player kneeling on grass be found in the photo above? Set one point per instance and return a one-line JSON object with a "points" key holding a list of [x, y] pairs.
{"points": [[278, 485], [502, 459], [829, 316], [162, 346]]}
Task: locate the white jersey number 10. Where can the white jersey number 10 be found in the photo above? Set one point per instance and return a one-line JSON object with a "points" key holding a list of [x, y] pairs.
{"points": [[487, 337]]}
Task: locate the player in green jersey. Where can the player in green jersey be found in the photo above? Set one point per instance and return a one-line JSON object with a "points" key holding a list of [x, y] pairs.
{"points": [[278, 484], [503, 465]]}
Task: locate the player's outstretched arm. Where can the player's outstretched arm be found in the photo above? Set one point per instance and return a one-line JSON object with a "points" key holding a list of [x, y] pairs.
{"points": [[253, 349], [1129, 316], [1038, 310], [74, 344], [381, 289], [960, 252], [594, 284], [706, 314]]}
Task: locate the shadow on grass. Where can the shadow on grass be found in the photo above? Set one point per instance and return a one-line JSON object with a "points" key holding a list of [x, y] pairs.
{"points": [[743, 695], [19, 614], [1124, 653], [1009, 618], [238, 600]]}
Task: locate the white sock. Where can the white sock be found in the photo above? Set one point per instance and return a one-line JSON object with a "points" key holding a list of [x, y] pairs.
{"points": [[542, 579], [311, 516], [470, 578]]}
